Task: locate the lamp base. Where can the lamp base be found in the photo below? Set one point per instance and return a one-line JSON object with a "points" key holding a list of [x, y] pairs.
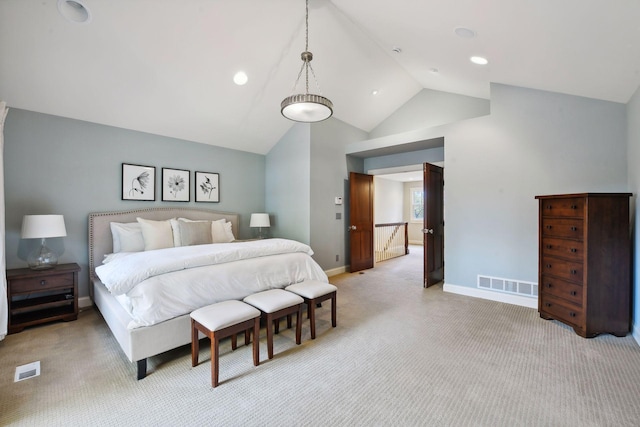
{"points": [[42, 258]]}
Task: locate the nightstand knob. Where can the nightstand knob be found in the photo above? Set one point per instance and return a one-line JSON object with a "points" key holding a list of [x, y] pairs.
{"points": [[574, 293], [43, 282], [572, 314]]}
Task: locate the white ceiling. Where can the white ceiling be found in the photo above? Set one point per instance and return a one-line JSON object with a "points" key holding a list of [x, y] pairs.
{"points": [[166, 66]]}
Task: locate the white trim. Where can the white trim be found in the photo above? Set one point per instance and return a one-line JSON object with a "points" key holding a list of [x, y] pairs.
{"points": [[491, 295], [336, 271], [84, 302]]}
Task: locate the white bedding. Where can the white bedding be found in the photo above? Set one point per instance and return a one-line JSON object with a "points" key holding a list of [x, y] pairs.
{"points": [[154, 286]]}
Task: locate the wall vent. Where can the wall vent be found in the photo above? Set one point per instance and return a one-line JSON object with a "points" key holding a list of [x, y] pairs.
{"points": [[510, 286]]}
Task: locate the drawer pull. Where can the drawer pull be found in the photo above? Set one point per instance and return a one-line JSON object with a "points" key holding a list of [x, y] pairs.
{"points": [[43, 282], [549, 207], [572, 314], [548, 227], [574, 250], [549, 246], [548, 265], [549, 285], [574, 293], [548, 304], [574, 271], [574, 207], [574, 228]]}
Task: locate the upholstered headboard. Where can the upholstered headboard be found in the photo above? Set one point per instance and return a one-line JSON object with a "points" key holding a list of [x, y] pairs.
{"points": [[101, 241]]}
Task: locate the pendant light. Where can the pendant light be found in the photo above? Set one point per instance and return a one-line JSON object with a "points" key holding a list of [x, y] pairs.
{"points": [[306, 107]]}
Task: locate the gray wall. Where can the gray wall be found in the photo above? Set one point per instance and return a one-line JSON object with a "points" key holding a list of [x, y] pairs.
{"points": [[533, 143], [70, 167], [633, 162], [329, 179], [431, 155], [429, 108], [304, 173], [287, 180]]}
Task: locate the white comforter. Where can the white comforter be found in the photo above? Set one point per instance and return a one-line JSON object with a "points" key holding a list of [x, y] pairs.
{"points": [[155, 286]]}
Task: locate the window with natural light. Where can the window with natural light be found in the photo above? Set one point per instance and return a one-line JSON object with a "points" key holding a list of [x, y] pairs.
{"points": [[417, 204]]}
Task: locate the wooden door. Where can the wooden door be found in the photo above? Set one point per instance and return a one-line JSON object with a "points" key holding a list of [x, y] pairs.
{"points": [[361, 221], [433, 231]]}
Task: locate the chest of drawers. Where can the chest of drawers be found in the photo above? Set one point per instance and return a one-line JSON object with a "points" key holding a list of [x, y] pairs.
{"points": [[584, 262]]}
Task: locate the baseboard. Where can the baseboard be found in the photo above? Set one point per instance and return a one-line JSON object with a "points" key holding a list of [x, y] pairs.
{"points": [[415, 242], [490, 295], [84, 302], [336, 271], [635, 333]]}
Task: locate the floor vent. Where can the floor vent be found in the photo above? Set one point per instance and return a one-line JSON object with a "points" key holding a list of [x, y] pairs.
{"points": [[510, 286], [25, 372]]}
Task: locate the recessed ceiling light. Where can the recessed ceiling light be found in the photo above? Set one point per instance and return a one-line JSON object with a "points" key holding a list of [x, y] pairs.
{"points": [[240, 78], [465, 33], [479, 60], [374, 92], [74, 11]]}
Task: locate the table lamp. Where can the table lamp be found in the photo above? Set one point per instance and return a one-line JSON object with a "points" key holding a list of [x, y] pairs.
{"points": [[42, 227], [260, 221]]}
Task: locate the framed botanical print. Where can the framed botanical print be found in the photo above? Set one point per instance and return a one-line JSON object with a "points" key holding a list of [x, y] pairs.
{"points": [[175, 185], [138, 182], [207, 187]]}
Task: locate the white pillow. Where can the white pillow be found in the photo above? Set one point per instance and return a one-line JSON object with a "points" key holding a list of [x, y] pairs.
{"points": [[229, 232], [191, 232], [219, 233], [156, 234], [127, 237]]}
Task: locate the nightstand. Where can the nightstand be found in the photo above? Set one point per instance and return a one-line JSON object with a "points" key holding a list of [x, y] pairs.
{"points": [[40, 296]]}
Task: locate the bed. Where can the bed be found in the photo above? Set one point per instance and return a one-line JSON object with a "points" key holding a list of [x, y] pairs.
{"points": [[233, 270]]}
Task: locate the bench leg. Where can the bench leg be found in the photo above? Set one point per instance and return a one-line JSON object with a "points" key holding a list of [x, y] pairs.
{"points": [[334, 310], [299, 324], [195, 344], [270, 328], [214, 361], [312, 317], [256, 341]]}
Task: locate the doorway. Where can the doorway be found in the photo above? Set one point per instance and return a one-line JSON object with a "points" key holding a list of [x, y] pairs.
{"points": [[393, 201]]}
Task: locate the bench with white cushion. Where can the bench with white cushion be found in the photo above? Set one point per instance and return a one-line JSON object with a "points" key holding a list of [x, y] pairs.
{"points": [[275, 304], [314, 292], [222, 320]]}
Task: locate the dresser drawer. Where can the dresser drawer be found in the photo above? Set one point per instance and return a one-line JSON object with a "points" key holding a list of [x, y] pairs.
{"points": [[561, 310], [570, 249], [37, 284], [557, 227], [570, 291], [571, 207], [572, 271]]}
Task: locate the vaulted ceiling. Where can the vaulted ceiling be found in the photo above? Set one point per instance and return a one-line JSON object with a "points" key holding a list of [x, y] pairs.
{"points": [[166, 67]]}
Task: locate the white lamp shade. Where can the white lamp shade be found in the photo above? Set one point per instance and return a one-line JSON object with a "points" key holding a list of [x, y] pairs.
{"points": [[260, 220], [43, 226]]}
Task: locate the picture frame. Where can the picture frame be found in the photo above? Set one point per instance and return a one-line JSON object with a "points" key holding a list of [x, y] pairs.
{"points": [[207, 187], [176, 185], [138, 182]]}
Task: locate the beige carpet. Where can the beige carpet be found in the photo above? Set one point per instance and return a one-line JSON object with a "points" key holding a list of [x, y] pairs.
{"points": [[401, 355]]}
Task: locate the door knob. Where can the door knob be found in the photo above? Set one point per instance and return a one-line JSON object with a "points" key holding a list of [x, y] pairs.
{"points": [[352, 227], [427, 230]]}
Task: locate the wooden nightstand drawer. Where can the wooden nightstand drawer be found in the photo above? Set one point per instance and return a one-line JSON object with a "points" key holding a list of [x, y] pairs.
{"points": [[37, 284], [570, 207]]}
